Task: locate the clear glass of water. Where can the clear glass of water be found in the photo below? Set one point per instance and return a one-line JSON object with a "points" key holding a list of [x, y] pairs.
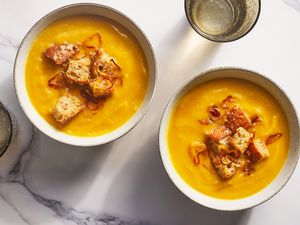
{"points": [[6, 129], [222, 20]]}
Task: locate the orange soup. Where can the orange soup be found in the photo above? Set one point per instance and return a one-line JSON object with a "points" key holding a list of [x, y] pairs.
{"points": [[197, 116], [118, 43]]}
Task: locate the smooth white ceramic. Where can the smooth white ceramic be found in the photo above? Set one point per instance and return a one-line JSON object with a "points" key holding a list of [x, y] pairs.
{"points": [[19, 72], [286, 171]]}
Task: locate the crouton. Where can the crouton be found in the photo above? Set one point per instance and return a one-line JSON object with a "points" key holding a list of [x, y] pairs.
{"points": [[61, 53], [101, 87], [217, 140], [216, 147], [257, 151], [67, 107], [104, 65], [236, 118], [240, 140], [225, 171], [248, 167], [79, 71], [219, 134]]}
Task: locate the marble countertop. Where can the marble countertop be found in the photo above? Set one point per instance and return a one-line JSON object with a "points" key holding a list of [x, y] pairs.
{"points": [[124, 182]]}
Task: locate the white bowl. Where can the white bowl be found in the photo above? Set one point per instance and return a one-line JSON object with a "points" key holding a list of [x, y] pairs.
{"points": [[285, 172], [20, 62]]}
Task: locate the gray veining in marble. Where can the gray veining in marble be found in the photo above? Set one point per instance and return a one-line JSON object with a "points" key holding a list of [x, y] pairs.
{"points": [[6, 41], [66, 214], [126, 180], [8, 48], [17, 179]]}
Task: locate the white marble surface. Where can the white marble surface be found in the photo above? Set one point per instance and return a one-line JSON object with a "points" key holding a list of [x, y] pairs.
{"points": [[124, 182]]}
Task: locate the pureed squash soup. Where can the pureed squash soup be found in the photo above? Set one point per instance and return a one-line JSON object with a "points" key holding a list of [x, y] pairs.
{"points": [[228, 138], [125, 55]]}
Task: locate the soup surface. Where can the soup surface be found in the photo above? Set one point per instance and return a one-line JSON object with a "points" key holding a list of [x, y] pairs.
{"points": [[119, 44], [185, 127]]}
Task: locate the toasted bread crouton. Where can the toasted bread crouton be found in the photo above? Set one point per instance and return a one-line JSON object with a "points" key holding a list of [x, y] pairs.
{"points": [[236, 118], [257, 151], [104, 65], [79, 71], [241, 139], [61, 53], [225, 171], [217, 139], [217, 148], [66, 108], [219, 134], [101, 87]]}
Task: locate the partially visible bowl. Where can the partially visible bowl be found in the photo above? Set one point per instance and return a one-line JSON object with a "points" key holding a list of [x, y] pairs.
{"points": [[21, 58], [6, 129], [285, 173]]}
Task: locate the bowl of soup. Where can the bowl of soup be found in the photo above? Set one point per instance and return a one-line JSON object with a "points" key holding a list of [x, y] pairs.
{"points": [[85, 74], [229, 139]]}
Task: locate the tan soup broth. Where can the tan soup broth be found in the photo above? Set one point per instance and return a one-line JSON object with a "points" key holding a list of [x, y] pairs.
{"points": [[119, 44], [185, 128]]}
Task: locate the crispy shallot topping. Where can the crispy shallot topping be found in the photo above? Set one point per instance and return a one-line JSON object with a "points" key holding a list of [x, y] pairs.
{"points": [[272, 138], [227, 159], [206, 121], [195, 149], [214, 111], [57, 81], [93, 42], [255, 120], [225, 103]]}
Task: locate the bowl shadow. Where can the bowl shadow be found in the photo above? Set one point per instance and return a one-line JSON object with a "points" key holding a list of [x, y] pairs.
{"points": [[153, 197]]}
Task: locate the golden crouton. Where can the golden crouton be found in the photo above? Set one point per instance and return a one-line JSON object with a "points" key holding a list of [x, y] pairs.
{"points": [[101, 87], [105, 66], [236, 118], [240, 140], [79, 71], [219, 134], [61, 53], [66, 108], [257, 151], [217, 139], [225, 171]]}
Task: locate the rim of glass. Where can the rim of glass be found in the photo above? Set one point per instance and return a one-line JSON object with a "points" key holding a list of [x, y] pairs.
{"points": [[195, 28]]}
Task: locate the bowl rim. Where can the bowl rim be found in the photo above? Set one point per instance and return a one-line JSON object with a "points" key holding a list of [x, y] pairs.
{"points": [[5, 147], [195, 28], [150, 92], [179, 182]]}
